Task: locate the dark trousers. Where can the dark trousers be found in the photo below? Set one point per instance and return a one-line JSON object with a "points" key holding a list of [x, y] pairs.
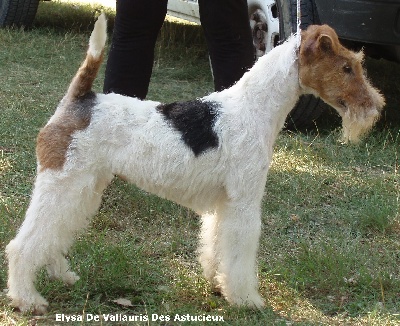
{"points": [[137, 24]]}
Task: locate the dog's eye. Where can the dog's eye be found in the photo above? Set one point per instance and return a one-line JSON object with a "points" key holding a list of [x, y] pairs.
{"points": [[347, 69]]}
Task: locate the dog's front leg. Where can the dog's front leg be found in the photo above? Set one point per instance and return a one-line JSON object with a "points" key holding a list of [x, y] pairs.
{"points": [[238, 233], [207, 248]]}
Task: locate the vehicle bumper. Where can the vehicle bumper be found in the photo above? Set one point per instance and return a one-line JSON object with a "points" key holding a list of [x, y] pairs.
{"points": [[362, 20]]}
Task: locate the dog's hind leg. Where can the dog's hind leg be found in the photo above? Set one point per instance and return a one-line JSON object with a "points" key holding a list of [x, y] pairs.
{"points": [[58, 268], [238, 233], [61, 206]]}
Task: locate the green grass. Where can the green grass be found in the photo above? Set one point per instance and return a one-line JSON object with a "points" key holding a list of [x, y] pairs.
{"points": [[329, 251]]}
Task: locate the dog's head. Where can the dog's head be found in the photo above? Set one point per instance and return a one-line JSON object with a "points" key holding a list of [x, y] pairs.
{"points": [[329, 70]]}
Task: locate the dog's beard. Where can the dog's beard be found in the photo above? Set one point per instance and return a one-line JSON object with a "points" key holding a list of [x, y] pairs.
{"points": [[355, 126]]}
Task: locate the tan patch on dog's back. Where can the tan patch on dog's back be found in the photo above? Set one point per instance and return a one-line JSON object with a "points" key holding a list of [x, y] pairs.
{"points": [[55, 138]]}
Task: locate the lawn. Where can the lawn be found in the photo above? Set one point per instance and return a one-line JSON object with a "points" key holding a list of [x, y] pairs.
{"points": [[330, 248]]}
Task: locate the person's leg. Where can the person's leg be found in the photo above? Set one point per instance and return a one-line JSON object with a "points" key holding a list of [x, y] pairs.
{"points": [[227, 30], [131, 56]]}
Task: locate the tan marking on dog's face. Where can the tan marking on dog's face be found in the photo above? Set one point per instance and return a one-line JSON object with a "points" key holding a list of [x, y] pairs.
{"points": [[334, 73], [54, 139]]}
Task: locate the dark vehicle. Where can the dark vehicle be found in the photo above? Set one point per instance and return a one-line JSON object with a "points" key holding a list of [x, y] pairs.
{"points": [[17, 12], [375, 24]]}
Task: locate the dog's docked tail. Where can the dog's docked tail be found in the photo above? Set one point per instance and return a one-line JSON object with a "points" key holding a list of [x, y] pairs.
{"points": [[82, 82]]}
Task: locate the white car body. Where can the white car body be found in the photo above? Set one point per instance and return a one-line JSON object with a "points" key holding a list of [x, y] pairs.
{"points": [[189, 10], [185, 9]]}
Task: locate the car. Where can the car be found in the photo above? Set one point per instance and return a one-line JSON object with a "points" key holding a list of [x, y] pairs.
{"points": [[375, 24], [17, 12]]}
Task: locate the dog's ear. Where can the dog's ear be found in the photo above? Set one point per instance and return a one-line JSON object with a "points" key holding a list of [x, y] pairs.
{"points": [[360, 55], [317, 40], [325, 43]]}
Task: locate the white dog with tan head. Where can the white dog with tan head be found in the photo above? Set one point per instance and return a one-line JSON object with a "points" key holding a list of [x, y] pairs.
{"points": [[211, 155]]}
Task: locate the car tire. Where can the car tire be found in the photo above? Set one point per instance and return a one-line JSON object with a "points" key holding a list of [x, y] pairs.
{"points": [[264, 16], [17, 12]]}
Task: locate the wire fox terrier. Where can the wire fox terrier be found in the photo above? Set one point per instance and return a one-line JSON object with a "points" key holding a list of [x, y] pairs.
{"points": [[211, 155]]}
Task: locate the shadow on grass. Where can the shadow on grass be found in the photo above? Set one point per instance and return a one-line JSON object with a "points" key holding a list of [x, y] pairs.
{"points": [[332, 214]]}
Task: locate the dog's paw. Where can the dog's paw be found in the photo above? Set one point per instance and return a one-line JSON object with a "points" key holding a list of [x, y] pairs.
{"points": [[70, 278], [39, 307], [254, 301]]}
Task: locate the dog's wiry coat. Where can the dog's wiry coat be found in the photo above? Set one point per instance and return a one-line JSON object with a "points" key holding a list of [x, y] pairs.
{"points": [[211, 155]]}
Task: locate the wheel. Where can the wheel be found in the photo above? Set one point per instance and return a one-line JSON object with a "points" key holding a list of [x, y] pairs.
{"points": [[17, 12], [273, 21], [264, 22]]}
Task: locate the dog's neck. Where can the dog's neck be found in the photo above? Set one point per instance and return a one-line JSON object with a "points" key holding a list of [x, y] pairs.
{"points": [[270, 88]]}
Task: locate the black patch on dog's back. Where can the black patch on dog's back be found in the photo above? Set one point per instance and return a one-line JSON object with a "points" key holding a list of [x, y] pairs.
{"points": [[195, 121]]}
